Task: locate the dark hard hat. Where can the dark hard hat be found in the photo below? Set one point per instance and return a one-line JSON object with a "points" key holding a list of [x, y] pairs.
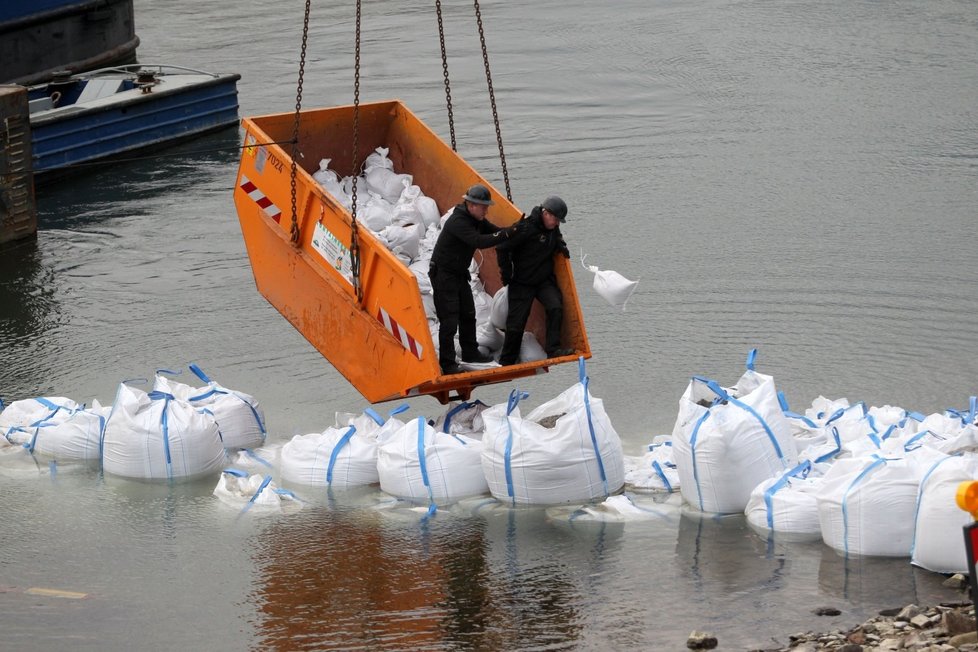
{"points": [[556, 206], [479, 194]]}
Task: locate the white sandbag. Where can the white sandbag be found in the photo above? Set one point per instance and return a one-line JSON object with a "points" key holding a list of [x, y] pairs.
{"points": [[375, 213], [938, 544], [612, 286], [239, 416], [528, 461], [414, 207], [403, 240], [785, 505], [407, 209], [866, 505], [336, 457], [378, 159], [77, 438], [655, 471], [245, 491], [331, 183], [387, 183], [420, 464], [17, 421], [489, 336], [530, 349], [727, 441], [499, 310], [158, 437]]}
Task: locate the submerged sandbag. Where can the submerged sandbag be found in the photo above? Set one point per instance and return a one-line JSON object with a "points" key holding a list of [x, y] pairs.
{"points": [[565, 451], [17, 420], [727, 441], [419, 463], [655, 471], [246, 491], [157, 436]]}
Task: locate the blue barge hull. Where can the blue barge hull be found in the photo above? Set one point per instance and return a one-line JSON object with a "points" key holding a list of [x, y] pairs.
{"points": [[134, 119]]}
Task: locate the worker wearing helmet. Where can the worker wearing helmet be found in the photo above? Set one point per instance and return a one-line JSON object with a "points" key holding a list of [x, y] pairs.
{"points": [[526, 263], [465, 230]]}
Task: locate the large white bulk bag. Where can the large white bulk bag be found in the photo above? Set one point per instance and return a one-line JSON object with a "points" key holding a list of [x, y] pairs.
{"points": [[418, 463], [786, 504], [336, 457], [938, 544], [157, 437], [239, 416], [727, 441], [866, 505], [343, 456], [77, 438], [17, 421], [577, 459]]}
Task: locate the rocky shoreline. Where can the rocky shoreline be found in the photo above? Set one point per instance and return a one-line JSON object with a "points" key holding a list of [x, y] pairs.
{"points": [[946, 627]]}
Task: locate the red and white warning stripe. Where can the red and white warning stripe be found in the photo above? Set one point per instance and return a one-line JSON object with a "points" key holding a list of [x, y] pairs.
{"points": [[264, 202], [394, 329]]}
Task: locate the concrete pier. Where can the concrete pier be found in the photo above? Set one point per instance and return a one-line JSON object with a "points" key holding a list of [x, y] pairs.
{"points": [[18, 211]]}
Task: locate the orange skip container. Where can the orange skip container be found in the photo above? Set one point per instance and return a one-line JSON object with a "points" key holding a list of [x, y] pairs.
{"points": [[383, 345]]}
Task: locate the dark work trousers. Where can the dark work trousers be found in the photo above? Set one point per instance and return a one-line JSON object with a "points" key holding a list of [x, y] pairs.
{"points": [[520, 301], [455, 309]]}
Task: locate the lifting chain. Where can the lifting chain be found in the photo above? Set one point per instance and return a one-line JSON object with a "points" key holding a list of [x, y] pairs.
{"points": [[444, 66], [354, 235], [492, 100], [295, 127]]}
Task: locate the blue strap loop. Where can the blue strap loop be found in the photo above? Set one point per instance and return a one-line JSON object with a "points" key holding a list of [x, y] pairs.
{"points": [[169, 372], [258, 458], [692, 446], [515, 396], [164, 421], [590, 426], [432, 508], [398, 410], [197, 371], [751, 357], [264, 483], [372, 413], [800, 471], [237, 473], [832, 453], [662, 475], [344, 440]]}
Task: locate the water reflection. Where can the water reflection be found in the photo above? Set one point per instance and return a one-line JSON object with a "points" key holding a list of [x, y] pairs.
{"points": [[468, 578]]}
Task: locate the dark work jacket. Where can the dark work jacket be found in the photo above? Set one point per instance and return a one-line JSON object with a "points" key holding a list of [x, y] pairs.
{"points": [[527, 257], [459, 238]]}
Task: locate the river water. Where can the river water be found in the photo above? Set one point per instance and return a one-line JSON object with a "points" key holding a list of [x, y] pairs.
{"points": [[793, 176]]}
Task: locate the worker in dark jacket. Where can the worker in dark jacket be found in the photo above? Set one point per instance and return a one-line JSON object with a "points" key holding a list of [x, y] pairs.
{"points": [[465, 230], [526, 263]]}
